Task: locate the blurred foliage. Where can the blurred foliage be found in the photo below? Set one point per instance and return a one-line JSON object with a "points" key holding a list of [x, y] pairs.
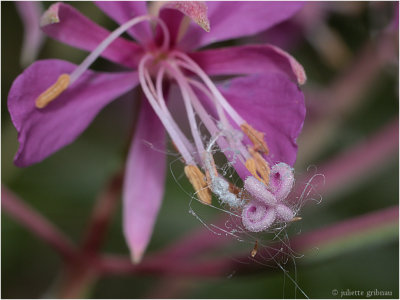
{"points": [[64, 186]]}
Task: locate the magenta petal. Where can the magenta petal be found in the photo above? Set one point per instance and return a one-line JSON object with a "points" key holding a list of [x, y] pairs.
{"points": [[249, 60], [41, 132], [272, 104], [257, 217], [144, 181], [67, 25], [172, 13], [229, 20], [123, 11]]}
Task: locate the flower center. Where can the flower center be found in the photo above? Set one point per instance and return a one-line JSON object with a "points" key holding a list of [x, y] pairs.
{"points": [[153, 69]]}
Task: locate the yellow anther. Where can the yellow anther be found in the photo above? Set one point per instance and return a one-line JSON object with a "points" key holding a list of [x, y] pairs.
{"points": [[198, 181], [256, 137], [258, 167], [53, 91]]}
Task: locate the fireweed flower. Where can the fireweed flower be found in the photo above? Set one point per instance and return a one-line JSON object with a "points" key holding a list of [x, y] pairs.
{"points": [[254, 119]]}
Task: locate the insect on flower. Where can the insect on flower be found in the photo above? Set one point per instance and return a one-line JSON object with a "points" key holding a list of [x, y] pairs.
{"points": [[255, 117]]}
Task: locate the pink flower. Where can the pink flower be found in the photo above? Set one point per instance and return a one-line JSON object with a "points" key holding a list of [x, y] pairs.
{"points": [[53, 101]]}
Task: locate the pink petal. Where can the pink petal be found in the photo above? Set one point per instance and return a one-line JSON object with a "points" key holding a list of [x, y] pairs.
{"points": [[30, 12], [42, 132], [249, 60], [257, 217], [123, 11], [281, 180], [196, 10], [67, 25], [229, 20], [272, 104], [259, 191], [172, 13], [144, 181]]}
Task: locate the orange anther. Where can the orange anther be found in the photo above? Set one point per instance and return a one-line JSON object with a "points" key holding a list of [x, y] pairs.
{"points": [[53, 91], [258, 167], [256, 137], [198, 181]]}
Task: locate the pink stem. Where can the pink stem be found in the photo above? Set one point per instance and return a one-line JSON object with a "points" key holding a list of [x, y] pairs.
{"points": [[222, 266], [360, 160], [37, 224], [101, 216], [346, 228]]}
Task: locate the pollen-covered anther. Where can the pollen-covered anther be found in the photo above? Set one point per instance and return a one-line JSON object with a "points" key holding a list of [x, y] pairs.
{"points": [[256, 137], [258, 167], [53, 91], [199, 183]]}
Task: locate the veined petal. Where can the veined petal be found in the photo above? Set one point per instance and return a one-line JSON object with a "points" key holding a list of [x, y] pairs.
{"points": [[229, 20], [42, 132], [271, 104], [67, 25], [144, 181], [249, 60], [123, 11]]}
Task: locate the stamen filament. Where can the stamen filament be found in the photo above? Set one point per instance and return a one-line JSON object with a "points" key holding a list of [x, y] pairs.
{"points": [[183, 85], [213, 89], [161, 115], [224, 141], [158, 93], [220, 110], [114, 35]]}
